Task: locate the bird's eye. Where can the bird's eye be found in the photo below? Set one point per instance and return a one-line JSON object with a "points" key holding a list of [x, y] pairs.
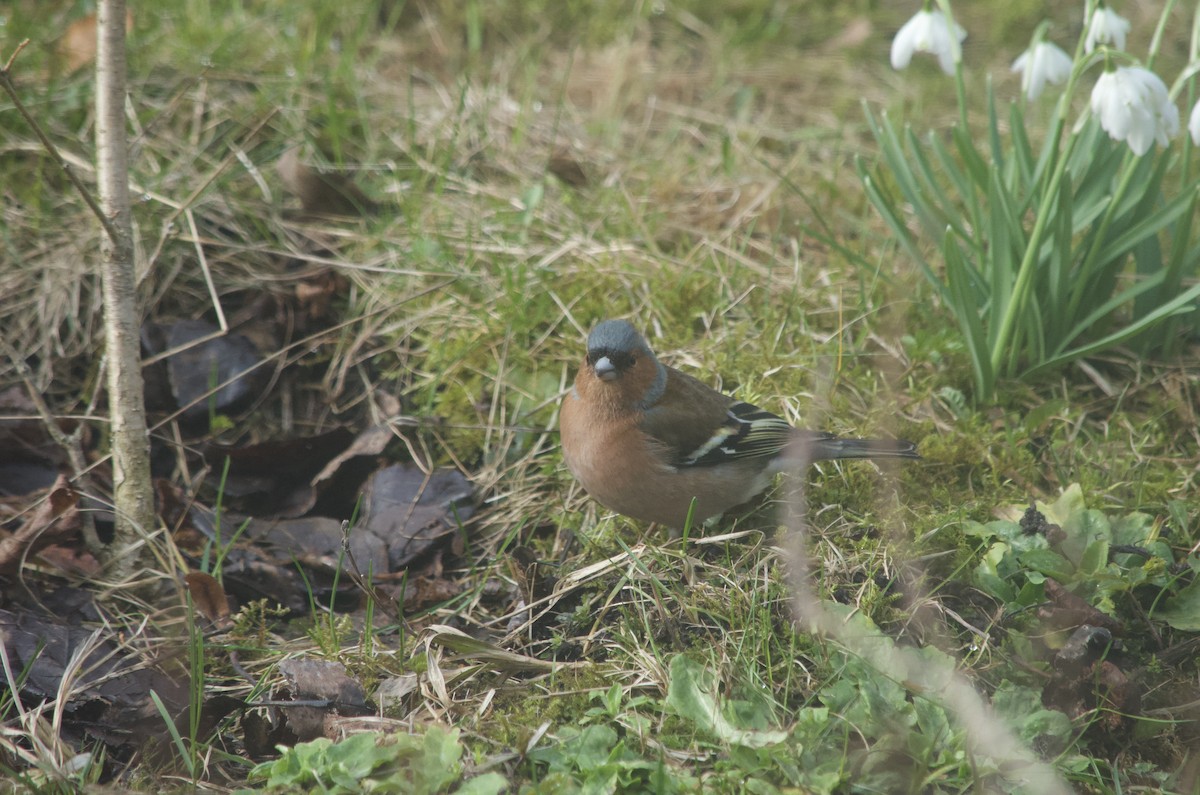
{"points": [[620, 359], [623, 360]]}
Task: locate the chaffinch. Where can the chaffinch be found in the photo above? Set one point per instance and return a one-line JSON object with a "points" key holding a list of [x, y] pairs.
{"points": [[645, 439]]}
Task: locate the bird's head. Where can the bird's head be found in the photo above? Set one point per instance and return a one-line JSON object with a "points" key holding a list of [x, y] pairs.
{"points": [[623, 364]]}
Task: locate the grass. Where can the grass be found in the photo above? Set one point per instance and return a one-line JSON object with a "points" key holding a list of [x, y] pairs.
{"points": [[721, 210]]}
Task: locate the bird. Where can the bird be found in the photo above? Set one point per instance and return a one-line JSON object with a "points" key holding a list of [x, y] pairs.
{"points": [[658, 445]]}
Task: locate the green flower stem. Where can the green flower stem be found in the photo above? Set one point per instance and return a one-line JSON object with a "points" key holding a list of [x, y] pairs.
{"points": [[1063, 107], [1029, 262], [959, 86], [1156, 41], [1089, 260], [960, 90], [1055, 168]]}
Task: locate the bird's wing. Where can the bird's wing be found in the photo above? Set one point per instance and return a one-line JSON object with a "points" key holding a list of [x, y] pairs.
{"points": [[748, 432], [699, 426]]}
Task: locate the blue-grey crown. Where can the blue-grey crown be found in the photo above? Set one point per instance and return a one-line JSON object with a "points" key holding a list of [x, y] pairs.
{"points": [[615, 336]]}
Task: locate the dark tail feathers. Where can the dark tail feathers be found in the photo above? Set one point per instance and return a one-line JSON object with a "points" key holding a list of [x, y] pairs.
{"points": [[821, 447]]}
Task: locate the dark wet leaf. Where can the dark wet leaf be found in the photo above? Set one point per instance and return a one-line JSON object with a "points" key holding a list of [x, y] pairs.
{"points": [[369, 443], [29, 459], [22, 478], [322, 689], [339, 484], [107, 686], [411, 511], [1064, 610], [70, 605], [276, 478], [315, 542], [229, 361], [248, 577], [406, 515]]}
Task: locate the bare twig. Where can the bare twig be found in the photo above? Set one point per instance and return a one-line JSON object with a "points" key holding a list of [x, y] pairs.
{"points": [[11, 89]]}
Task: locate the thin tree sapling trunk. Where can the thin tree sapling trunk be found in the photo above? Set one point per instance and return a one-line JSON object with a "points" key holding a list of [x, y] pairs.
{"points": [[133, 497]]}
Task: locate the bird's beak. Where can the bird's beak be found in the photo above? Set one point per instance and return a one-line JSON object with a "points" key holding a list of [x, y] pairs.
{"points": [[605, 369]]}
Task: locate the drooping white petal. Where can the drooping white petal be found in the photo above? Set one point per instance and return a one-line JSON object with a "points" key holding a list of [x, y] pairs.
{"points": [[1041, 64], [905, 43], [1194, 124], [1159, 105], [1106, 27], [1133, 105], [927, 32]]}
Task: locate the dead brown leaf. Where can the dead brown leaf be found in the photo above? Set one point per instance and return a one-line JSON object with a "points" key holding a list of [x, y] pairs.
{"points": [[322, 689], [1082, 680], [565, 166], [104, 686], [322, 193], [315, 294], [424, 592], [208, 597], [56, 519], [1065, 610], [30, 459], [77, 47]]}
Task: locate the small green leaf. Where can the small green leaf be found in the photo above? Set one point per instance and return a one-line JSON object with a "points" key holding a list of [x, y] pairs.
{"points": [[1134, 529], [1047, 562], [988, 574], [1022, 706], [1068, 504], [1095, 557], [487, 784], [691, 694], [1182, 611], [1083, 529]]}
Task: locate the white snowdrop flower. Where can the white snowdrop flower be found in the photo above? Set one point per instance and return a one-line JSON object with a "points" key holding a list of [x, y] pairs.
{"points": [[1041, 64], [928, 31], [1106, 27], [1132, 105]]}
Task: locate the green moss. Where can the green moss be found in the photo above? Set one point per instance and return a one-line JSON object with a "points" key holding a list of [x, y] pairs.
{"points": [[517, 712]]}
